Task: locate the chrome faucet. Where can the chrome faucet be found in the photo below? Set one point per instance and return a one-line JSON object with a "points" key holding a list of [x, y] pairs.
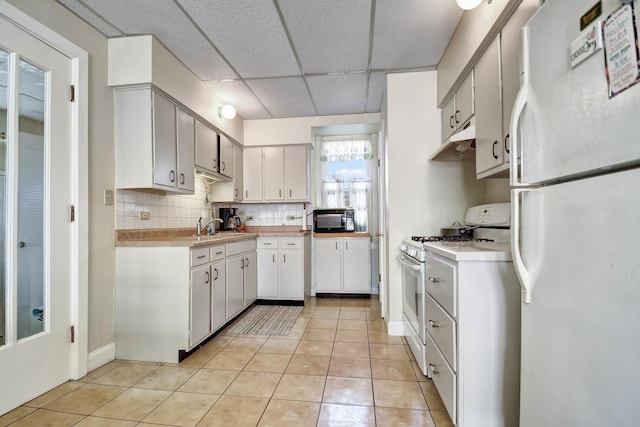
{"points": [[200, 227]]}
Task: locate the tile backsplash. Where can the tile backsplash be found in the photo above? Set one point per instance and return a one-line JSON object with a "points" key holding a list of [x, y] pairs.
{"points": [[273, 214], [165, 211], [180, 211]]}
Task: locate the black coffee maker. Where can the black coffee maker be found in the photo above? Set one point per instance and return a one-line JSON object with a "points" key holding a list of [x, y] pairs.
{"points": [[227, 216]]}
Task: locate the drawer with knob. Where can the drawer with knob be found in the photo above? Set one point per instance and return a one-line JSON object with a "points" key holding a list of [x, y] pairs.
{"points": [[442, 329], [441, 284], [443, 377], [199, 256]]}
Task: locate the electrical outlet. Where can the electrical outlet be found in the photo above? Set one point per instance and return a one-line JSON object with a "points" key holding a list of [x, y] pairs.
{"points": [[249, 218], [291, 217], [108, 197], [145, 216]]}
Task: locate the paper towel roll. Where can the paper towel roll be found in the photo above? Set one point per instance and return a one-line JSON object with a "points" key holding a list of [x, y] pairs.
{"points": [[304, 217]]}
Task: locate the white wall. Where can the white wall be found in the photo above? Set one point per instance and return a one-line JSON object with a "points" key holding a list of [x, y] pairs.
{"points": [[297, 130], [101, 162], [423, 196]]}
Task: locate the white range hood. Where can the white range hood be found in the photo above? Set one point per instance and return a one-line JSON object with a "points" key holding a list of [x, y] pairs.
{"points": [[460, 146]]}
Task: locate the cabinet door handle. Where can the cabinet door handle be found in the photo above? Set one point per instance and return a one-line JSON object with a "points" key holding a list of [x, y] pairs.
{"points": [[451, 122], [246, 194], [219, 253], [284, 257], [291, 244], [506, 144], [181, 179], [247, 262], [206, 282], [280, 192], [433, 324], [216, 270], [274, 258], [336, 245], [456, 116], [201, 256], [172, 176], [433, 369], [433, 279], [290, 193], [493, 149], [242, 263], [215, 164], [346, 245], [223, 166], [267, 243], [236, 192]]}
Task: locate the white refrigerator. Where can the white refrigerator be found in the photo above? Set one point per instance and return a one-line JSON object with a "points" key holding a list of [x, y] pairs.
{"points": [[576, 216]]}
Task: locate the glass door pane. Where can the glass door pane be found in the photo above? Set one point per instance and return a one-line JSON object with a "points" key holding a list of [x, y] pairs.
{"points": [[32, 310], [4, 83]]}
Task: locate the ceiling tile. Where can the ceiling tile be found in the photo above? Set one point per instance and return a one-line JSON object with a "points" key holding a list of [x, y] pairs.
{"points": [[248, 33], [91, 17], [340, 93], [376, 90], [284, 97], [238, 94], [329, 36], [412, 33], [172, 27]]}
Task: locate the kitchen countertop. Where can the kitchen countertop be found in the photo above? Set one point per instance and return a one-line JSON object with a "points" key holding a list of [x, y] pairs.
{"points": [[186, 236], [471, 251], [345, 234]]}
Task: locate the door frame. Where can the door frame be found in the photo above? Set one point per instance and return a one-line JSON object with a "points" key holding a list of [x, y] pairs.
{"points": [[78, 305]]}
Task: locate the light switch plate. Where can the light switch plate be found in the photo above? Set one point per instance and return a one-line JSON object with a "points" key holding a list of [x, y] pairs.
{"points": [[108, 197], [144, 215]]}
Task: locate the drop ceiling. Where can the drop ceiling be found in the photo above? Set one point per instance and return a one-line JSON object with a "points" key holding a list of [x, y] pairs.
{"points": [[287, 58]]}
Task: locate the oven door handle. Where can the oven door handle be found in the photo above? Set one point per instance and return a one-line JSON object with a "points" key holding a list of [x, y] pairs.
{"points": [[405, 261]]}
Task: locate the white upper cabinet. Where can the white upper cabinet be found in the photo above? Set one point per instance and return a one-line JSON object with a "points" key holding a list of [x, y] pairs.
{"points": [[252, 174], [273, 173], [498, 80], [489, 146], [206, 148], [296, 178], [185, 136], [276, 174], [238, 167], [226, 156], [154, 142], [457, 112]]}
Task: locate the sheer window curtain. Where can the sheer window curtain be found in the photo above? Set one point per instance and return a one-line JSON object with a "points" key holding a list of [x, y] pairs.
{"points": [[345, 172]]}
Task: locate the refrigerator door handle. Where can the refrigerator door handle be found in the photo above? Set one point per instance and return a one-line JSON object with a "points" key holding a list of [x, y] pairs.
{"points": [[518, 264], [518, 107]]}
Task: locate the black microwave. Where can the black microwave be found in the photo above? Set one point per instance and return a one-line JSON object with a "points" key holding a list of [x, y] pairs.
{"points": [[333, 220]]}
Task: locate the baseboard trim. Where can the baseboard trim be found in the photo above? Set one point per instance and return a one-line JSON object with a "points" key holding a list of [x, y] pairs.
{"points": [[101, 356], [395, 328]]}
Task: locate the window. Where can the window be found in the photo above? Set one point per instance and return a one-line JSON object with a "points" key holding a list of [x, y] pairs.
{"points": [[346, 176]]}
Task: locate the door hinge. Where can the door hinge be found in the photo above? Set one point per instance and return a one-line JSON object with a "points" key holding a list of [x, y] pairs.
{"points": [[72, 213], [73, 334], [379, 278], [72, 93]]}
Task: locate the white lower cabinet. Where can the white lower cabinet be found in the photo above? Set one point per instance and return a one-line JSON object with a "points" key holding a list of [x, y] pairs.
{"points": [[281, 268], [242, 274], [170, 299], [200, 306], [342, 265], [473, 339]]}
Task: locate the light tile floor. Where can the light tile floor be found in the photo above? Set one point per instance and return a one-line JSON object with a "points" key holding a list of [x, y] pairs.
{"points": [[337, 367]]}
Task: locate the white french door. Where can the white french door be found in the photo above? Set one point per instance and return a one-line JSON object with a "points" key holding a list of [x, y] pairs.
{"points": [[35, 228]]}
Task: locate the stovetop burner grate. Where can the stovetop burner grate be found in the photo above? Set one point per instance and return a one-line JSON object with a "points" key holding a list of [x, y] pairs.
{"points": [[423, 239]]}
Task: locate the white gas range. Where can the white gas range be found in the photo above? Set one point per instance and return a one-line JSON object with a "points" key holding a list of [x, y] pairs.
{"points": [[461, 312], [490, 242]]}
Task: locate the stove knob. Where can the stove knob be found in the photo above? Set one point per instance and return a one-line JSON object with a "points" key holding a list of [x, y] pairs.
{"points": [[403, 247], [412, 252]]}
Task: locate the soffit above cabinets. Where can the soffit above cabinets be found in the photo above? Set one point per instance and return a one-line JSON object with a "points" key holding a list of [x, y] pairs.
{"points": [[287, 58]]}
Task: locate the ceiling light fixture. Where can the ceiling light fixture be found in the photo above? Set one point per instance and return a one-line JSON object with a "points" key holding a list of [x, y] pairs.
{"points": [[227, 111], [469, 4]]}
